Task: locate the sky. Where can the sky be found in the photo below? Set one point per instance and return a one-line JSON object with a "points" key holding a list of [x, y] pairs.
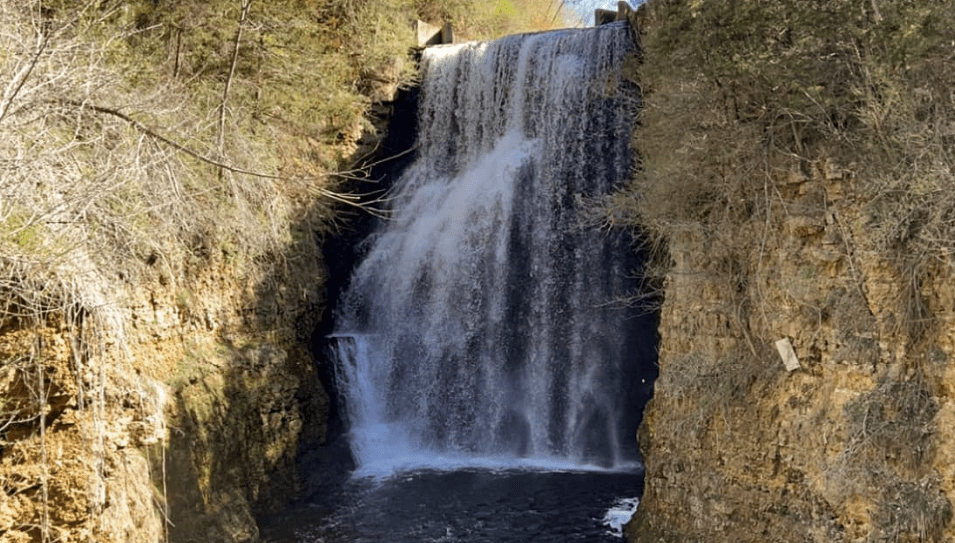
{"points": [[585, 8]]}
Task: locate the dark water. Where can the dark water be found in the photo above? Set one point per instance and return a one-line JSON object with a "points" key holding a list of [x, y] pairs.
{"points": [[461, 506]]}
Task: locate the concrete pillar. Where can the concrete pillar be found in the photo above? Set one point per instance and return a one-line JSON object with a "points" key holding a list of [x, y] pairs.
{"points": [[447, 33], [427, 34], [604, 16], [623, 11]]}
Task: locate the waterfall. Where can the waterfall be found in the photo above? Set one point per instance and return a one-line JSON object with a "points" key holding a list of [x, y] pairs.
{"points": [[481, 324]]}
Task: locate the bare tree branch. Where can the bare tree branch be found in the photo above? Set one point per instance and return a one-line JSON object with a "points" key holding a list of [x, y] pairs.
{"points": [[353, 200], [20, 79]]}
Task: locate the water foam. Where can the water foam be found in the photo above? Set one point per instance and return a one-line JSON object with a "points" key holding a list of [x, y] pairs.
{"points": [[620, 514]]}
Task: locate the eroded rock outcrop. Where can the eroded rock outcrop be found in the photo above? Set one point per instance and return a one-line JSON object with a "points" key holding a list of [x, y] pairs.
{"points": [[855, 445], [175, 412]]}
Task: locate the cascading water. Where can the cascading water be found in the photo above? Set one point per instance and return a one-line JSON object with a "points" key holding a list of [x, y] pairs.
{"points": [[480, 327]]}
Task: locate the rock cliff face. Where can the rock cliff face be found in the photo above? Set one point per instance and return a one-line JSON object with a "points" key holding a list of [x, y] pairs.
{"points": [[197, 414], [856, 445], [176, 398], [246, 398], [799, 207]]}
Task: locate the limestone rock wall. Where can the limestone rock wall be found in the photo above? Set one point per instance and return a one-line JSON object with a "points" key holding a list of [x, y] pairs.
{"points": [[73, 470], [856, 445], [182, 421], [245, 397]]}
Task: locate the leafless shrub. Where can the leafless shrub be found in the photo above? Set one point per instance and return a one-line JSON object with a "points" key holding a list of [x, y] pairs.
{"points": [[709, 385], [894, 421], [889, 446], [732, 90], [857, 327], [914, 509]]}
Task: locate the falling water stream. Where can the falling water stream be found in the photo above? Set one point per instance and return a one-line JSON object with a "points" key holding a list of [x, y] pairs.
{"points": [[491, 381]]}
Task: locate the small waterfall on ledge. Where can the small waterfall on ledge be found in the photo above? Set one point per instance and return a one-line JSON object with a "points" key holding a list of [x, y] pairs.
{"points": [[479, 329]]}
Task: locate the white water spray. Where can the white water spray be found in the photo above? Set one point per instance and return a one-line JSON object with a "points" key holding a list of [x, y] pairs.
{"points": [[477, 330]]}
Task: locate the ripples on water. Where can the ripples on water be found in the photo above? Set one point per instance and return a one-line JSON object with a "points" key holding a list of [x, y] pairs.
{"points": [[465, 506]]}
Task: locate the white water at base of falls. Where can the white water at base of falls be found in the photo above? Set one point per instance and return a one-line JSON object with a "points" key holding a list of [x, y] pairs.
{"points": [[480, 328]]}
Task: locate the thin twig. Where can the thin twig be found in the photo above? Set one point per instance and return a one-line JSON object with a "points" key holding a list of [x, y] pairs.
{"points": [[228, 82], [380, 161], [44, 475], [21, 78]]}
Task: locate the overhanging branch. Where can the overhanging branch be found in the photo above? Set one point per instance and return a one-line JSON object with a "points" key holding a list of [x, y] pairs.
{"points": [[353, 200]]}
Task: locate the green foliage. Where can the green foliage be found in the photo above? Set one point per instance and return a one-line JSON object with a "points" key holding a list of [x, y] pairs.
{"points": [[297, 70], [23, 231], [475, 20], [505, 9]]}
